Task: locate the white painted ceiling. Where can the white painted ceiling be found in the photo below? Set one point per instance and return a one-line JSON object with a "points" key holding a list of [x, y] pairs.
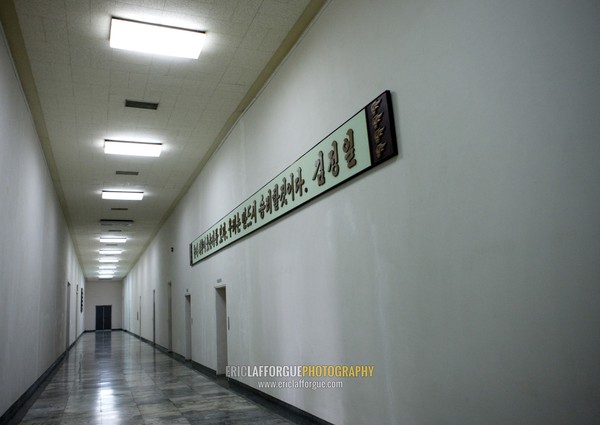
{"points": [[78, 85]]}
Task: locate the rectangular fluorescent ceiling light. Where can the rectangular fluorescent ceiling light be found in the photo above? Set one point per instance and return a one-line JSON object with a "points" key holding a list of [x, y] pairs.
{"points": [[113, 240], [108, 260], [110, 251], [107, 267], [122, 195], [155, 39], [123, 147]]}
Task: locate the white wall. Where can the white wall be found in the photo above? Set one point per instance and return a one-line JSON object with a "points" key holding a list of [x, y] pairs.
{"points": [[103, 293], [466, 270], [37, 257]]}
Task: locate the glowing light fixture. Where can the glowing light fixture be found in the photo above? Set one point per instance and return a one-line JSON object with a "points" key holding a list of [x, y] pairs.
{"points": [[118, 147], [110, 251], [156, 39], [107, 267], [112, 240], [108, 260], [122, 195]]}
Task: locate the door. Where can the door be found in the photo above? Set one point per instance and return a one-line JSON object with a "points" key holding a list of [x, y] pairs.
{"points": [[170, 319], [68, 317], [188, 327], [76, 313], [140, 316], [103, 317], [222, 328]]}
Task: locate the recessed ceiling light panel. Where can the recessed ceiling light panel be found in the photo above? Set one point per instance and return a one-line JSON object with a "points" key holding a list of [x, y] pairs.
{"points": [[110, 251], [122, 195], [108, 260], [155, 39], [112, 240], [123, 147]]}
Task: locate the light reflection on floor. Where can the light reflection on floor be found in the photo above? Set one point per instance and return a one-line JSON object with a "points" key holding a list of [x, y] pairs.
{"points": [[114, 378]]}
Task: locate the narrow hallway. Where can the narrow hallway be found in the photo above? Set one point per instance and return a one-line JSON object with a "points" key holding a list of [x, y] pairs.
{"points": [[114, 378]]}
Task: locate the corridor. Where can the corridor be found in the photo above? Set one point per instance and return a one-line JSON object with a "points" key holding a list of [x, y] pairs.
{"points": [[114, 378], [373, 211]]}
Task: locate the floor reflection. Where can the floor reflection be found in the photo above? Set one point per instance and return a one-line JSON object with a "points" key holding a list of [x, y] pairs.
{"points": [[114, 378]]}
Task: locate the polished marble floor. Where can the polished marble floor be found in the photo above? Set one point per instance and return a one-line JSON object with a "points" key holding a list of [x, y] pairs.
{"points": [[114, 378]]}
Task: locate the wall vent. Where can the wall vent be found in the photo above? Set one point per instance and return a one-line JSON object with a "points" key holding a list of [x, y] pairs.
{"points": [[119, 209], [120, 223], [127, 173], [140, 104]]}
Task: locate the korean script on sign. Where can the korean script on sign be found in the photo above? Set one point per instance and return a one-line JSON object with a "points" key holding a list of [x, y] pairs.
{"points": [[365, 140]]}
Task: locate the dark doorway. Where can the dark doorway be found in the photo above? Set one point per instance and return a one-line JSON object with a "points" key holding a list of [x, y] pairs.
{"points": [[103, 317], [170, 320], [68, 317], [222, 328], [188, 327]]}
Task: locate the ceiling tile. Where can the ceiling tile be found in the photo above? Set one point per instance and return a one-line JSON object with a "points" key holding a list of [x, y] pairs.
{"points": [[82, 85]]}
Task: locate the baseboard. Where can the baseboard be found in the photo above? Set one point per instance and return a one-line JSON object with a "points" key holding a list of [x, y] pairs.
{"points": [[265, 399], [130, 333], [177, 356], [147, 341], [269, 402], [75, 342], [14, 409], [203, 369], [161, 348]]}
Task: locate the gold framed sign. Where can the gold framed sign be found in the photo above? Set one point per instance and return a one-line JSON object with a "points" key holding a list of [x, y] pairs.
{"points": [[363, 142]]}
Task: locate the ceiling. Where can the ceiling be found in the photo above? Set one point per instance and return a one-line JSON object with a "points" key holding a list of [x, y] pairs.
{"points": [[76, 86]]}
